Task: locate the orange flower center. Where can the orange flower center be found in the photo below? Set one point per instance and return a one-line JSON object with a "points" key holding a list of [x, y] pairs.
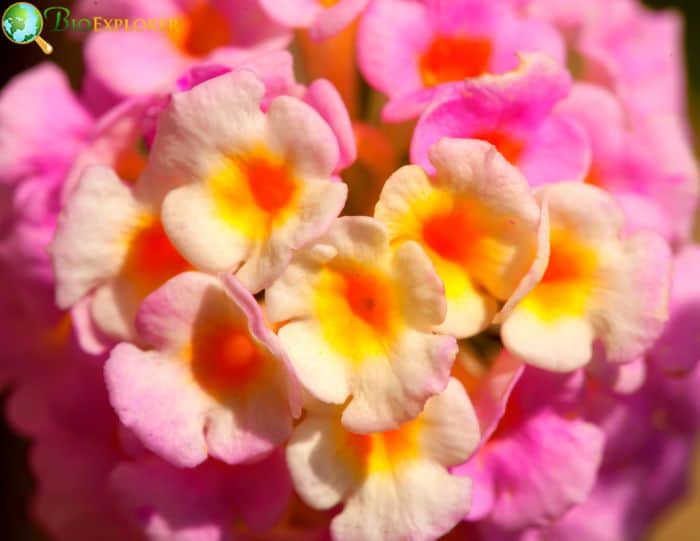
{"points": [[152, 259], [254, 192], [225, 359], [203, 29], [569, 260], [510, 147], [270, 183], [451, 234], [453, 58], [368, 299], [357, 309]]}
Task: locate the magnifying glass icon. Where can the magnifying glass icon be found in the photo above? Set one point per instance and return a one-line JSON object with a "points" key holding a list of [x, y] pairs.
{"points": [[22, 23]]}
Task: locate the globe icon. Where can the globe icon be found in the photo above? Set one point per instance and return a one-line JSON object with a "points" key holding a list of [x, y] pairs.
{"points": [[22, 23]]}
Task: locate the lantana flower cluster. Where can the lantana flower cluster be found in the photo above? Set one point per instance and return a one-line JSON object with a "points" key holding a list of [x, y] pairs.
{"points": [[429, 276]]}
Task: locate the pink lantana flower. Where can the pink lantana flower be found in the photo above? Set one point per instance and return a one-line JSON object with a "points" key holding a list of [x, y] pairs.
{"points": [[34, 160], [678, 348], [91, 471], [121, 138], [76, 441], [477, 221], [195, 32], [647, 164], [356, 318], [541, 459], [240, 189], [647, 459], [600, 295], [118, 140], [202, 503], [518, 112], [216, 383], [388, 480], [276, 70], [33, 100], [42, 126], [412, 49], [110, 251], [116, 242], [623, 33], [634, 51]]}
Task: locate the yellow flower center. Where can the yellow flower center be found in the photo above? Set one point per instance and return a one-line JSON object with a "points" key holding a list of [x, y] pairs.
{"points": [[254, 192], [382, 452], [568, 280], [357, 309]]}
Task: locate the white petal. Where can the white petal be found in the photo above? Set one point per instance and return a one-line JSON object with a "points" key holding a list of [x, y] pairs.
{"points": [[190, 220], [320, 369], [562, 345], [89, 246]]}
